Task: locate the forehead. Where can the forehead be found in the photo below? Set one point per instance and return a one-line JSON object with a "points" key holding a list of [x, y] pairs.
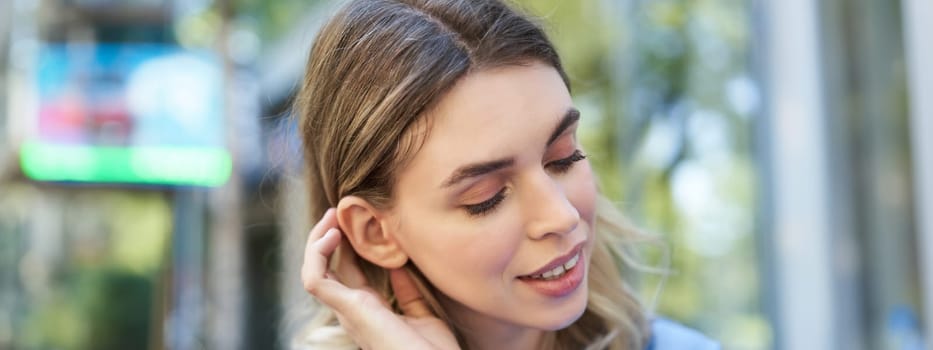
{"points": [[490, 99], [491, 114]]}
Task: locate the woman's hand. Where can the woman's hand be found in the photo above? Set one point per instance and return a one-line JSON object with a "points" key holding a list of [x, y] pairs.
{"points": [[362, 312]]}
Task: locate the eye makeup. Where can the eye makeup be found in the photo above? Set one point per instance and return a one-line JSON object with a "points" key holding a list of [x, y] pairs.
{"points": [[559, 166], [561, 140], [485, 207]]}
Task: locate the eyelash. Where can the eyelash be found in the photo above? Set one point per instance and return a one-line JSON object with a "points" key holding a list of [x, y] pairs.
{"points": [[485, 207], [559, 166]]}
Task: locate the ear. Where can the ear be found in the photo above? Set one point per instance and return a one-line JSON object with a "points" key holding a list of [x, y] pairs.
{"points": [[366, 229]]}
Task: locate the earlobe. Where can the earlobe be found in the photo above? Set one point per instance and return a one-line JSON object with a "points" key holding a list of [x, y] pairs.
{"points": [[365, 229]]}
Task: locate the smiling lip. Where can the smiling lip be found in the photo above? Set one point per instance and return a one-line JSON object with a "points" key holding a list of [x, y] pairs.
{"points": [[558, 261], [563, 285]]}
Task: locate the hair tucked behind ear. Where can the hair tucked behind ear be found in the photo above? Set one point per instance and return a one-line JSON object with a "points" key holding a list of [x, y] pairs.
{"points": [[373, 71]]}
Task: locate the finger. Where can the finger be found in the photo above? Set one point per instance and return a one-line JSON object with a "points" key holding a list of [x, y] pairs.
{"points": [[409, 298], [328, 220], [314, 267], [327, 244], [317, 279]]}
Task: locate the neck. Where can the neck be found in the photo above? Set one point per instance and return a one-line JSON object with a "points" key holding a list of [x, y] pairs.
{"points": [[482, 332], [491, 338]]}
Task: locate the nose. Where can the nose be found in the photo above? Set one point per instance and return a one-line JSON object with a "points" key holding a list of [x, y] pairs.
{"points": [[548, 210]]}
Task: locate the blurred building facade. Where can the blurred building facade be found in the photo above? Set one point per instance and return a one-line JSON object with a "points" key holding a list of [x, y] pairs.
{"points": [[781, 148]]}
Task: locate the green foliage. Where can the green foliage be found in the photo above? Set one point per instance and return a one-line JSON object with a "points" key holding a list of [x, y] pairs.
{"points": [[97, 309]]}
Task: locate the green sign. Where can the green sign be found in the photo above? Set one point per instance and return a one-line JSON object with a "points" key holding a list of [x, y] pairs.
{"points": [[128, 113]]}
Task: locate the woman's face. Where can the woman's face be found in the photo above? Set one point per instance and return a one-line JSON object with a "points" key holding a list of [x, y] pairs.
{"points": [[497, 207]]}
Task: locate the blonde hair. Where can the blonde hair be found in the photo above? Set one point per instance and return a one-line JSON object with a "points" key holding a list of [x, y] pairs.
{"points": [[374, 70]]}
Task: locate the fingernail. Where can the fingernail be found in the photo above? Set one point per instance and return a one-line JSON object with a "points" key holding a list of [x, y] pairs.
{"points": [[329, 211]]}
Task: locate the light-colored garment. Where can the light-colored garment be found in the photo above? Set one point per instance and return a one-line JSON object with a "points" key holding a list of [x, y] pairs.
{"points": [[668, 335]]}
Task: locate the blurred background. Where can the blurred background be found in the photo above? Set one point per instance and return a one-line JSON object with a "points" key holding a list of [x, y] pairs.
{"points": [[149, 195]]}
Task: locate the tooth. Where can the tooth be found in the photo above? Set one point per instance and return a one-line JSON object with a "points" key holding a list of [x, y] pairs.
{"points": [[573, 262], [557, 271]]}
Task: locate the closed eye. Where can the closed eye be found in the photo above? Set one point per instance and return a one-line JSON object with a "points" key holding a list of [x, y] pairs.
{"points": [[487, 206], [561, 166]]}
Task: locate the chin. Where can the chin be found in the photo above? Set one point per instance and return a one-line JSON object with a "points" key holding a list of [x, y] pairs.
{"points": [[566, 315]]}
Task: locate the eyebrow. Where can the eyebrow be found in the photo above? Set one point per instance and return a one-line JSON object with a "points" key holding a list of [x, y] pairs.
{"points": [[571, 116], [473, 170]]}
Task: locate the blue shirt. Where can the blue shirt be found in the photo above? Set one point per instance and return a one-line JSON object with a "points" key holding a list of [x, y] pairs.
{"points": [[667, 335]]}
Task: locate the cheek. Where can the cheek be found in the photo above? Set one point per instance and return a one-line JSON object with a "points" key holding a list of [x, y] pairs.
{"points": [[456, 252]]}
